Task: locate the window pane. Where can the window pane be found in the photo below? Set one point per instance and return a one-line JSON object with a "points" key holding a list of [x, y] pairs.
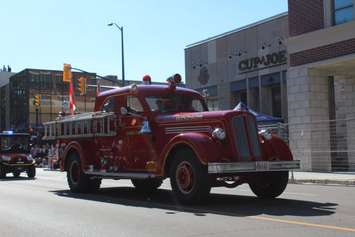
{"points": [[271, 94], [342, 3], [253, 84], [109, 105], [134, 105], [174, 103], [344, 15]]}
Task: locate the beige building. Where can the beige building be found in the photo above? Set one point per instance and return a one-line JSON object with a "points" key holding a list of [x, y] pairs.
{"points": [[298, 65], [248, 64], [321, 83]]}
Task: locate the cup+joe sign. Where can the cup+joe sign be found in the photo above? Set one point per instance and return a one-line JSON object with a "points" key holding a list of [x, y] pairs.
{"points": [[268, 60]]}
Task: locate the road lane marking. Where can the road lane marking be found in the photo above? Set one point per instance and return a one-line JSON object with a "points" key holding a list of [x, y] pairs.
{"points": [[331, 227]]}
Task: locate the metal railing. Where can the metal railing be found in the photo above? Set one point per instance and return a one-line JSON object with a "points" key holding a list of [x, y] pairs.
{"points": [[327, 145]]}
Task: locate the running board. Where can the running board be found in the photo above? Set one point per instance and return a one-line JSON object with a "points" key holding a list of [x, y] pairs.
{"points": [[121, 175]]}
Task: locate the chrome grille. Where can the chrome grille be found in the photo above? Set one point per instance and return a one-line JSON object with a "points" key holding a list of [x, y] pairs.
{"points": [[246, 136], [253, 136], [241, 139]]}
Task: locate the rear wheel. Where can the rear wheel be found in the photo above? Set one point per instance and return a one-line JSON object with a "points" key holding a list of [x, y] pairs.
{"points": [[189, 178], [16, 173], [147, 185], [2, 172], [31, 172], [270, 184], [78, 181]]}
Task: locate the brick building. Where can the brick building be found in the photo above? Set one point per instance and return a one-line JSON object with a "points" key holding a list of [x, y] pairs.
{"points": [[321, 83]]}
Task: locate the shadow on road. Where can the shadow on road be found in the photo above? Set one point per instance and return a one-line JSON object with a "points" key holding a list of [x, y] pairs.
{"points": [[221, 204], [15, 179]]}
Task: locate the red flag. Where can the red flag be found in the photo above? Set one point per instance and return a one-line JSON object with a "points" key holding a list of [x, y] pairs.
{"points": [[71, 98], [98, 89]]}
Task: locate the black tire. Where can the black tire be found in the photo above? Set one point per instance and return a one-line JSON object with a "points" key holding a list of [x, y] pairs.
{"points": [[78, 181], [270, 184], [16, 173], [189, 178], [94, 185], [31, 171], [2, 172], [147, 185]]}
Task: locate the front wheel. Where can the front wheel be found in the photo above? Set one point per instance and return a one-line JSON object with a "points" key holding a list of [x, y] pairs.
{"points": [[78, 181], [189, 178], [270, 184], [31, 172], [16, 173]]}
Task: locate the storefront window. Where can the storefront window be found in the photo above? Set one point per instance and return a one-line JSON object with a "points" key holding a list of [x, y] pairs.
{"points": [[253, 84], [284, 96], [212, 104], [239, 92], [271, 94], [212, 97], [343, 11]]}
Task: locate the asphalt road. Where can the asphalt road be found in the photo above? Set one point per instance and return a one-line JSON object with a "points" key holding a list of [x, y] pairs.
{"points": [[45, 207]]}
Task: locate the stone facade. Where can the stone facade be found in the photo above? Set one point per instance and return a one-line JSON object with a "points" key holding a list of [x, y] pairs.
{"points": [[321, 82], [308, 107], [345, 114]]}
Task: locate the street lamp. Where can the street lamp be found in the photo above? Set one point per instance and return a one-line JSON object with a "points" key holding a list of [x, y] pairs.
{"points": [[121, 29]]}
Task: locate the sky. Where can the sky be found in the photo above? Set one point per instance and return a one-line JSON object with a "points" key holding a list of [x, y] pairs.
{"points": [[44, 34]]}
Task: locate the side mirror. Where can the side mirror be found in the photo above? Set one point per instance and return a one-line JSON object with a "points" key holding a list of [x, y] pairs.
{"points": [[124, 111]]}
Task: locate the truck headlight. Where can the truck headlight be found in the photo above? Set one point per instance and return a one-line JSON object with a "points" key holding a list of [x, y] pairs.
{"points": [[266, 133], [30, 158], [5, 158], [219, 133]]}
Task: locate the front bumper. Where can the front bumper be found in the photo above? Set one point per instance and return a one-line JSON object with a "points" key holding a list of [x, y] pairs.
{"points": [[255, 166], [19, 164]]}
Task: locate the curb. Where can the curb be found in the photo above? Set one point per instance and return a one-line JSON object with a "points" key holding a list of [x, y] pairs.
{"points": [[323, 181]]}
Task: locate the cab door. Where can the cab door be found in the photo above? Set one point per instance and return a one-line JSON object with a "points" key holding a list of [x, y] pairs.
{"points": [[107, 138], [139, 145]]}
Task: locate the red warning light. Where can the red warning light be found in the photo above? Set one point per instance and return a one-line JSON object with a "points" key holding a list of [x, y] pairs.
{"points": [[147, 80]]}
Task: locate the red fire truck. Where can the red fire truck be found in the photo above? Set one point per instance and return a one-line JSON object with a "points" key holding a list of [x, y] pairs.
{"points": [[148, 133]]}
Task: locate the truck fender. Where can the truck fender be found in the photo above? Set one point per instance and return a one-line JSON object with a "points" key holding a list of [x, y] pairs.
{"points": [[72, 146], [205, 148], [276, 147]]}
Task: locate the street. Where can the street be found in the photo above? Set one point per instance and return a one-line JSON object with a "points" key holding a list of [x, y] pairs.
{"points": [[45, 207]]}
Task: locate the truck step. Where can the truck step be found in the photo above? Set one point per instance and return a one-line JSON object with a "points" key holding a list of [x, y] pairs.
{"points": [[122, 175]]}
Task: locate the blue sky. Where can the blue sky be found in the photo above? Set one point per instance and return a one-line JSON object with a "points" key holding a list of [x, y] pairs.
{"points": [[47, 33]]}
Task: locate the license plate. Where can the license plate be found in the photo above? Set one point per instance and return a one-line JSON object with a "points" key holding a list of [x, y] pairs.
{"points": [[262, 166]]}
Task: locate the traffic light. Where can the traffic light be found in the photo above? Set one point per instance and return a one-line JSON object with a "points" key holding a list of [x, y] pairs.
{"points": [[37, 100], [82, 85], [67, 72]]}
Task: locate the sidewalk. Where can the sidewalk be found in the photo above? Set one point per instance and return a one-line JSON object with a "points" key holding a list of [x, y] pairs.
{"points": [[340, 178]]}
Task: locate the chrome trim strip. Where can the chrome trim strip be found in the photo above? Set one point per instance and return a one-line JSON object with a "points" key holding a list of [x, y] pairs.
{"points": [[122, 175], [18, 164], [257, 166], [185, 127], [171, 130]]}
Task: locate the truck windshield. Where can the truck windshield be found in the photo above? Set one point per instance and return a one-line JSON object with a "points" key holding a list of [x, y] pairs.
{"points": [[175, 103], [14, 143]]}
